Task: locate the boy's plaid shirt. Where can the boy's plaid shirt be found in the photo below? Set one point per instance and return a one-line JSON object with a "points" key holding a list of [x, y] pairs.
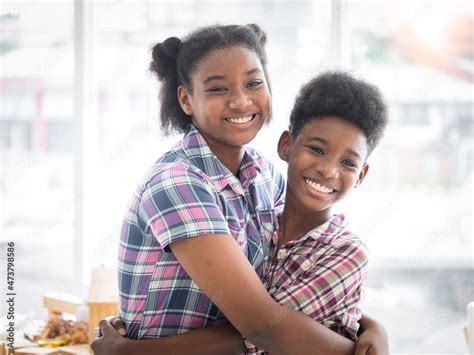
{"points": [[188, 193], [321, 274]]}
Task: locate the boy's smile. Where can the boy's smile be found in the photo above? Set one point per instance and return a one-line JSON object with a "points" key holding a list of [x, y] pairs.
{"points": [[325, 162], [317, 187]]}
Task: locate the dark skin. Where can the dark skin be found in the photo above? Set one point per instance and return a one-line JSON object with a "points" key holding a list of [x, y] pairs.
{"points": [[211, 340], [109, 339], [228, 84], [330, 152], [229, 110], [332, 165]]}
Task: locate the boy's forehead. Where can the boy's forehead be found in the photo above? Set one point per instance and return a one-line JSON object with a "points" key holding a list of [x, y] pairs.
{"points": [[333, 130]]}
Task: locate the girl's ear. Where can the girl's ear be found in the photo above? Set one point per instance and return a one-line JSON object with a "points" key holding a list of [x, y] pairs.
{"points": [[362, 174], [184, 99], [284, 145]]}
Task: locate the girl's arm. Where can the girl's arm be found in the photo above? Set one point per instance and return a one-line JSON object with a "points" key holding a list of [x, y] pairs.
{"points": [[218, 266], [222, 339], [226, 339]]}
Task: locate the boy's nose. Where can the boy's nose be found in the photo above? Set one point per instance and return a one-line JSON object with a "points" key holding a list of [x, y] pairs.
{"points": [[328, 170]]}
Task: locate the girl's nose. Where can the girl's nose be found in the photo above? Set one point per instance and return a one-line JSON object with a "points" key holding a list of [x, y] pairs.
{"points": [[239, 101]]}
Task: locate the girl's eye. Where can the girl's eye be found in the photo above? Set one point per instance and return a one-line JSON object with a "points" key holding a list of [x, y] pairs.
{"points": [[349, 163], [255, 83], [217, 89]]}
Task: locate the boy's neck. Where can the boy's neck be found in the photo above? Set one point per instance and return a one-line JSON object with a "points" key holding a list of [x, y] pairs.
{"points": [[294, 224]]}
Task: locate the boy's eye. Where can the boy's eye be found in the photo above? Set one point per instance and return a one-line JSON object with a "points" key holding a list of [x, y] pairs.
{"points": [[349, 163], [255, 83], [317, 150]]}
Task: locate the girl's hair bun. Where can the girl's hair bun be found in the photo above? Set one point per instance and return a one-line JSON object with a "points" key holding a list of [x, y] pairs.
{"points": [[174, 63], [164, 57], [262, 37], [171, 46]]}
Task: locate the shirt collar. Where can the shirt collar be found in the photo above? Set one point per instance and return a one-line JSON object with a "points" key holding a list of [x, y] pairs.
{"points": [[334, 227], [198, 152]]}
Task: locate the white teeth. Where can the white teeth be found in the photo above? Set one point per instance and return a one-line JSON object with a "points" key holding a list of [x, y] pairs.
{"points": [[318, 187], [239, 119]]}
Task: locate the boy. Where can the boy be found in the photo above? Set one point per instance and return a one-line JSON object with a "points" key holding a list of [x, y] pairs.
{"points": [[317, 266]]}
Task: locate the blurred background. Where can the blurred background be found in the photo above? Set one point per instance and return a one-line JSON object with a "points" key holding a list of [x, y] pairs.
{"points": [[78, 128]]}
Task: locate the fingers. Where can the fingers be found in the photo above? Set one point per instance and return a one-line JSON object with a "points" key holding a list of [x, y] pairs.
{"points": [[105, 327], [119, 325], [96, 340], [97, 334]]}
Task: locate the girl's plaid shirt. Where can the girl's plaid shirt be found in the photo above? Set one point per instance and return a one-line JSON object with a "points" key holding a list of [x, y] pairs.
{"points": [[185, 194]]}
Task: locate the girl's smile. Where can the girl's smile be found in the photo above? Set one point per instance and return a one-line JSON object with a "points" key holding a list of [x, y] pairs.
{"points": [[244, 121], [229, 102]]}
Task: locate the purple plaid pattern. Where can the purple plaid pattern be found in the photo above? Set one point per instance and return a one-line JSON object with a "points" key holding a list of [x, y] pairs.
{"points": [[321, 274], [185, 194]]}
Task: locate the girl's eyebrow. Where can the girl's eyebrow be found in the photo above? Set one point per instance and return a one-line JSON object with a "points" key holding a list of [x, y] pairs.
{"points": [[222, 77], [254, 70], [213, 77], [325, 142]]}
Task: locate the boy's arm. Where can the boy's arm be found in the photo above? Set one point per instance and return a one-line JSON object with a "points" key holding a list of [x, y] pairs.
{"points": [[222, 339], [373, 337], [367, 322]]}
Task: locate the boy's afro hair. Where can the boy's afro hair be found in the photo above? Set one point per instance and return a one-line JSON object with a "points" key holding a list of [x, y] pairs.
{"points": [[340, 94]]}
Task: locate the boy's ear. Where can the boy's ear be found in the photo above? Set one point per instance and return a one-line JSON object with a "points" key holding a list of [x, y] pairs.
{"points": [[284, 144], [362, 174], [184, 100]]}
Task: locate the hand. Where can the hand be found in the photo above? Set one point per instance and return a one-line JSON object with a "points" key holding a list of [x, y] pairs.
{"points": [[118, 324], [107, 340], [373, 341]]}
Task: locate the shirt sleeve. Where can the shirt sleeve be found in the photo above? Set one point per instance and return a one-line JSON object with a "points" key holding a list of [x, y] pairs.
{"points": [[280, 185], [179, 203], [330, 289]]}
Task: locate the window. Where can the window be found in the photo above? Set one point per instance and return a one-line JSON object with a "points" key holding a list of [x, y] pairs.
{"points": [[36, 147], [416, 215]]}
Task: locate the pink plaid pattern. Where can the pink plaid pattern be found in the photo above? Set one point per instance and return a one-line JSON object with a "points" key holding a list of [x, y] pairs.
{"points": [[188, 193], [321, 274]]}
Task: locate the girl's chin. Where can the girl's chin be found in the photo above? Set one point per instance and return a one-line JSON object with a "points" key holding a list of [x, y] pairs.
{"points": [[239, 140]]}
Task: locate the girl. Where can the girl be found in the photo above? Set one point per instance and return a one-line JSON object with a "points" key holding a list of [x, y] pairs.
{"points": [[196, 236]]}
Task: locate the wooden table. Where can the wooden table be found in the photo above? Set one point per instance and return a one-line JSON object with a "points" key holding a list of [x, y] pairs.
{"points": [[62, 350]]}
